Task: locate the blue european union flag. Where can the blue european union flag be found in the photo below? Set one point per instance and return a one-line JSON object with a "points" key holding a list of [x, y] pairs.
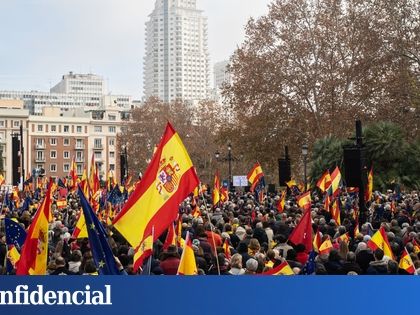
{"points": [[15, 234], [310, 265], [101, 251], [115, 196]]}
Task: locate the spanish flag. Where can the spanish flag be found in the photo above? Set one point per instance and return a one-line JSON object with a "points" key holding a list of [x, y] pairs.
{"points": [[344, 238], [254, 175], [291, 183], [304, 201], [143, 251], [317, 241], [324, 182], [34, 254], [80, 230], [167, 181], [416, 247], [226, 248], [326, 247], [336, 212], [187, 265], [216, 189], [73, 175], [406, 262], [283, 269], [282, 202], [2, 180], [335, 187], [369, 188], [380, 240], [224, 194]]}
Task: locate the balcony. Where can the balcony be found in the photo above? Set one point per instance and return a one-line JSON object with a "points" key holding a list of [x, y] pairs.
{"points": [[79, 159], [40, 159], [40, 146], [98, 146], [79, 146]]}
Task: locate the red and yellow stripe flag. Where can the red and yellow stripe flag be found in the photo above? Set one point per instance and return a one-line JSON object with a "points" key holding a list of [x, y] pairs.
{"points": [[380, 240], [369, 188], [406, 262], [93, 176], [325, 247], [416, 248], [336, 212], [33, 258], [283, 269], [143, 251], [254, 175], [282, 202], [80, 230], [168, 180], [216, 189], [187, 265], [304, 201], [317, 241], [324, 182], [335, 187], [226, 248]]}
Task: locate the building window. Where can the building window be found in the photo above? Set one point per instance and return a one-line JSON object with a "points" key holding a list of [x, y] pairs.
{"points": [[79, 129], [39, 142], [112, 129], [79, 156], [53, 128], [66, 167], [98, 128], [66, 142], [66, 154], [112, 167], [40, 128], [111, 142], [66, 129], [53, 141], [1, 123], [112, 154], [16, 123], [53, 168], [98, 155], [98, 143], [53, 154], [112, 117]]}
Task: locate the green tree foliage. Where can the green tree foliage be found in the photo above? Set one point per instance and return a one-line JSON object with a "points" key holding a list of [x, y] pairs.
{"points": [[394, 159]]}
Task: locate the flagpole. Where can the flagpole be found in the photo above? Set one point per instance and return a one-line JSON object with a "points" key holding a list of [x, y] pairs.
{"points": [[212, 236], [151, 256]]}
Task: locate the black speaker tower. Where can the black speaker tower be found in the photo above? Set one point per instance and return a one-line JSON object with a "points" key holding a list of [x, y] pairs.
{"points": [[355, 169], [285, 173]]}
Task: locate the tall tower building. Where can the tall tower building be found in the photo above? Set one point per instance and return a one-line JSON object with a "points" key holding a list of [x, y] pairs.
{"points": [[176, 63]]}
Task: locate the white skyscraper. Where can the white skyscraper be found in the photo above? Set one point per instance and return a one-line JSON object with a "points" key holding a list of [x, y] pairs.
{"points": [[176, 63], [221, 75]]}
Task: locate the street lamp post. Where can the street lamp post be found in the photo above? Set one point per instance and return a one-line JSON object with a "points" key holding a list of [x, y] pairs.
{"points": [[229, 158], [305, 155], [230, 165]]}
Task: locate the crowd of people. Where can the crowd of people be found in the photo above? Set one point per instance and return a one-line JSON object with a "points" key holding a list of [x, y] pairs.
{"points": [[257, 234]]}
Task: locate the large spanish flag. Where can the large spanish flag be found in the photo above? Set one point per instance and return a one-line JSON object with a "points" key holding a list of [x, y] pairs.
{"points": [[167, 181], [33, 258]]}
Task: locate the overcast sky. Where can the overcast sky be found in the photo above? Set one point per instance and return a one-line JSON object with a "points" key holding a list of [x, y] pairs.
{"points": [[40, 40]]}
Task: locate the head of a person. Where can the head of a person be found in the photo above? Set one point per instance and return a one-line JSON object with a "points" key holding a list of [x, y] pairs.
{"points": [[334, 255], [60, 262], [252, 265], [236, 261], [76, 256], [392, 267], [254, 244], [378, 254], [351, 257]]}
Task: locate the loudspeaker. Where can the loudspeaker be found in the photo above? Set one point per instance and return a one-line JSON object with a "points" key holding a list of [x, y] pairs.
{"points": [[15, 161], [355, 166], [285, 173], [271, 188]]}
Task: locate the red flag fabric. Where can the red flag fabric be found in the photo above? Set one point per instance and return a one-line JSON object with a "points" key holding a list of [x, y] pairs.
{"points": [[302, 233]]}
